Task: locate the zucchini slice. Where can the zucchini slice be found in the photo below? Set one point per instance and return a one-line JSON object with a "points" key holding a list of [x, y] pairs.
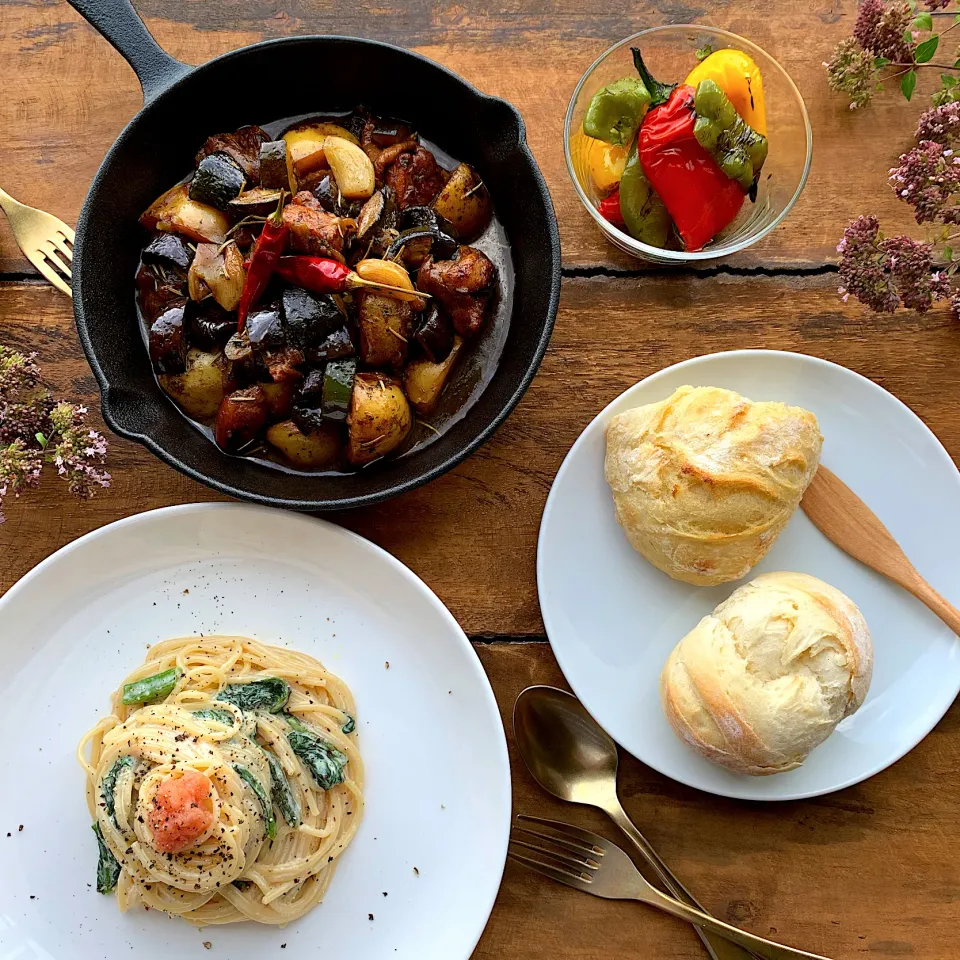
{"points": [[338, 388], [218, 180]]}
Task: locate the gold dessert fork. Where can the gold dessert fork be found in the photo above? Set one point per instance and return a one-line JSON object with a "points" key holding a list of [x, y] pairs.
{"points": [[587, 862], [45, 241]]}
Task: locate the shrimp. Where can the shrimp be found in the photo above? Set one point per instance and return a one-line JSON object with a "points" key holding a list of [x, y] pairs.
{"points": [[182, 811]]}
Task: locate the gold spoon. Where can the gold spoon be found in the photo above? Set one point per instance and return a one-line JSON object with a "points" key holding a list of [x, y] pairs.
{"points": [[570, 756], [846, 520]]}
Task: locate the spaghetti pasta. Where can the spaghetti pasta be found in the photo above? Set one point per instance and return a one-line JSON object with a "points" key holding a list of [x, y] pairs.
{"points": [[225, 783]]}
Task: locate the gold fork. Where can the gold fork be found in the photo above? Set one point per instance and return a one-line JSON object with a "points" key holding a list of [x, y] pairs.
{"points": [[587, 862], [45, 241]]}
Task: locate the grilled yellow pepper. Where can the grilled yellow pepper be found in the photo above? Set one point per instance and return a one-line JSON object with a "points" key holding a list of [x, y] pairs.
{"points": [[739, 78]]}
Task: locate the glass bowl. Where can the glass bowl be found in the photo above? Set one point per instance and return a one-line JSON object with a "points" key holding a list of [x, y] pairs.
{"points": [[670, 53]]}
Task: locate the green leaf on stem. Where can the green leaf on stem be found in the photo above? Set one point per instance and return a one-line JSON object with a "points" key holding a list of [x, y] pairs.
{"points": [[923, 21], [926, 50], [880, 62], [948, 80], [908, 83], [948, 253]]}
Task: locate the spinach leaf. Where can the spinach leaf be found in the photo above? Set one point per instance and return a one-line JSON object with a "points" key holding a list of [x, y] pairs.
{"points": [[221, 716], [283, 795], [108, 869], [322, 759], [157, 687], [269, 820], [108, 786], [350, 725], [269, 694]]}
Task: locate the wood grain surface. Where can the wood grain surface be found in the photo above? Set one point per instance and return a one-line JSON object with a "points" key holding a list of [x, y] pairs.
{"points": [[78, 93], [870, 870]]}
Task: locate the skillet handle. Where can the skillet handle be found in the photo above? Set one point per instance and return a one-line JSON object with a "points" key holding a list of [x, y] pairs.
{"points": [[121, 26]]}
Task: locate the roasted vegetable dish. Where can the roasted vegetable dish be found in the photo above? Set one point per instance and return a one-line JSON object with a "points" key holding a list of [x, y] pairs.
{"points": [[672, 164], [308, 296]]}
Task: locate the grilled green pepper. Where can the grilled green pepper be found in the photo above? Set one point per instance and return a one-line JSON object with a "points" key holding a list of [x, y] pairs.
{"points": [[643, 212], [615, 112], [738, 149]]}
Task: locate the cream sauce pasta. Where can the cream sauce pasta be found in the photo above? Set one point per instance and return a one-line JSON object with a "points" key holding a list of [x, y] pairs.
{"points": [[225, 783]]}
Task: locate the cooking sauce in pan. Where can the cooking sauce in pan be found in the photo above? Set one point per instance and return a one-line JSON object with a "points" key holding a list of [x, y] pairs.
{"points": [[475, 367]]}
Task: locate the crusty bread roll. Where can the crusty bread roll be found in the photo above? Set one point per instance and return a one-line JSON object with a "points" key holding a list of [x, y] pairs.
{"points": [[762, 680], [704, 481]]}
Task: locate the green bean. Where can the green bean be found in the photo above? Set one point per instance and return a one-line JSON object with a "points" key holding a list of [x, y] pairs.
{"points": [[149, 689]]}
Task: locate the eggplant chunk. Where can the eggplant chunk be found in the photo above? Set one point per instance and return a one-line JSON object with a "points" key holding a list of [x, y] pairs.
{"points": [[209, 325], [379, 213], [309, 317], [424, 380], [465, 203], [379, 418], [168, 338], [314, 450], [259, 202], [175, 212], [336, 346], [201, 389], [241, 417], [168, 250], [434, 334], [276, 167], [386, 325]]}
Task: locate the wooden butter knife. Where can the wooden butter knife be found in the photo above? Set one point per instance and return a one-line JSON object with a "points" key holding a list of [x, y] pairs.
{"points": [[846, 520]]}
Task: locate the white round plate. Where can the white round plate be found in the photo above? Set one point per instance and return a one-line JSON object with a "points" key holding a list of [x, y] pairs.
{"points": [[419, 879], [613, 618]]}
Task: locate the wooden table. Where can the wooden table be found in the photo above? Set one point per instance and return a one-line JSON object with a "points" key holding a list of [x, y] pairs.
{"points": [[873, 869]]}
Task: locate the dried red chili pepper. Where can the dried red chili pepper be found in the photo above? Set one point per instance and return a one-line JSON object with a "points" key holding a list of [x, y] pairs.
{"points": [[700, 198], [323, 275], [609, 209], [260, 267]]}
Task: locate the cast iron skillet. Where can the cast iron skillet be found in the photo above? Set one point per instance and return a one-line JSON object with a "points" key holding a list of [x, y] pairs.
{"points": [[256, 84]]}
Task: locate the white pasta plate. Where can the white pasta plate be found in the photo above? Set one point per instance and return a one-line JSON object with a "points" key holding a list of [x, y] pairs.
{"points": [[612, 618], [420, 877]]}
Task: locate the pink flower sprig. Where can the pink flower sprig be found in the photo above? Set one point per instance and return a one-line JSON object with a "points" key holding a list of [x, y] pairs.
{"points": [[886, 273], [888, 44], [36, 429]]}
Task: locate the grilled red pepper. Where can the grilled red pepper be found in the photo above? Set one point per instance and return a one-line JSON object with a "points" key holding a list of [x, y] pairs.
{"points": [[609, 209], [700, 198], [266, 252]]}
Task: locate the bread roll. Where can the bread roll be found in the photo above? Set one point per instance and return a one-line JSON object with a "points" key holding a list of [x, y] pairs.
{"points": [[704, 481], [762, 680]]}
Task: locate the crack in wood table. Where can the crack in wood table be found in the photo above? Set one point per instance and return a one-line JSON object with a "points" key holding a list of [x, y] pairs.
{"points": [[870, 870]]}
